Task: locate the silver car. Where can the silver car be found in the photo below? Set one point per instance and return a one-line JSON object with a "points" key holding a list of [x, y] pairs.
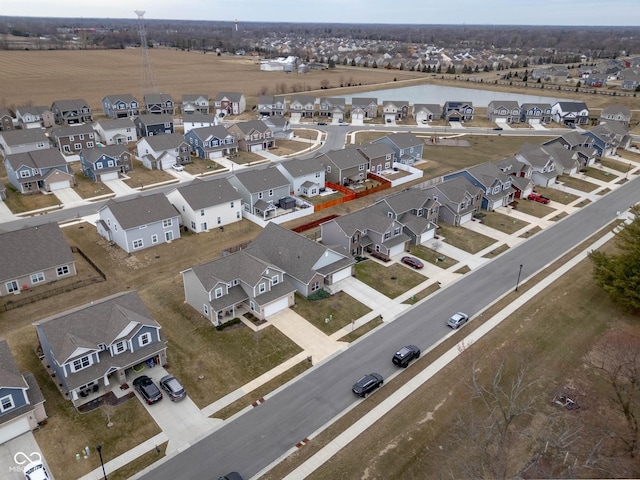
{"points": [[457, 320], [173, 388]]}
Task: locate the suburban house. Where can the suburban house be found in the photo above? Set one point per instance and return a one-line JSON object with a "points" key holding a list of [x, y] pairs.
{"points": [[46, 170], [198, 120], [206, 205], [332, 108], [393, 110], [345, 166], [566, 161], [34, 256], [364, 107], [496, 186], [229, 103], [120, 106], [303, 106], [503, 111], [366, 230], [521, 173], [159, 104], [280, 126], [616, 113], [380, 156], [543, 168], [106, 163], [535, 113], [70, 112], [305, 176], [406, 146], [35, 117], [118, 131], [21, 400], [272, 105], [263, 190], [211, 142], [98, 347], [415, 209], [140, 222], [459, 200], [252, 136], [196, 103], [162, 151], [582, 144], [72, 139], [456, 111], [608, 137], [630, 80], [570, 113], [6, 120], [426, 112], [20, 141], [148, 125]]}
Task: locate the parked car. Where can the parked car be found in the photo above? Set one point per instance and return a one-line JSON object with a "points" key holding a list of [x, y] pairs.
{"points": [[147, 389], [412, 262], [457, 320], [367, 384], [172, 386], [231, 476], [343, 124], [536, 197], [36, 471], [403, 357], [178, 168], [498, 128], [322, 123]]}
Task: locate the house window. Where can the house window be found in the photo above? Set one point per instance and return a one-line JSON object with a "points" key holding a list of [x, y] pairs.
{"points": [[168, 236], [77, 146], [252, 306], [205, 309], [328, 168], [387, 235], [271, 193], [262, 288], [390, 214], [361, 167], [37, 277], [138, 243], [218, 292], [318, 174], [202, 212], [238, 214], [12, 286], [315, 286], [80, 363], [25, 173], [154, 238], [193, 225], [144, 339], [63, 270], [6, 403], [396, 231], [274, 280], [167, 223], [120, 347], [71, 138], [232, 204]]}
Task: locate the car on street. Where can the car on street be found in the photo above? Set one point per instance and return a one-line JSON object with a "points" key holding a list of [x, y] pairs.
{"points": [[172, 386], [499, 129], [343, 124], [457, 320], [367, 384], [177, 168], [403, 357], [147, 389], [231, 476], [412, 262], [321, 123], [36, 471]]}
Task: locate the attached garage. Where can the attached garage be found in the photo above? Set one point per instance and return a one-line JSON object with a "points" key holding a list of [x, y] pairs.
{"points": [[108, 176], [427, 235], [276, 306], [396, 250], [59, 185], [340, 275], [466, 218], [13, 429], [256, 148]]}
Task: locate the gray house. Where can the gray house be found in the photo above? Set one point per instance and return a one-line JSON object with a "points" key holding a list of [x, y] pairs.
{"points": [[20, 141], [272, 105], [252, 136], [70, 112], [306, 176], [21, 400], [503, 111], [263, 190], [138, 223], [196, 103], [149, 124], [616, 113], [35, 117], [302, 105], [344, 167], [94, 349], [426, 112], [496, 186], [159, 104], [106, 163], [162, 151], [542, 164], [34, 256], [38, 170], [535, 113], [120, 106], [211, 142], [364, 107], [332, 108], [406, 146], [459, 200]]}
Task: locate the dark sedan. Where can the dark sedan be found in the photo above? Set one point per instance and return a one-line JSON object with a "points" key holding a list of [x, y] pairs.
{"points": [[367, 384], [412, 262], [147, 389]]}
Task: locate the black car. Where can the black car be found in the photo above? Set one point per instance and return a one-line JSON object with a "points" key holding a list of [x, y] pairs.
{"points": [[231, 476], [367, 384], [147, 389], [173, 388], [403, 357], [322, 123]]}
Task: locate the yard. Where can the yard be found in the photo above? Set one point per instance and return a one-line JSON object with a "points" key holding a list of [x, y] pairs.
{"points": [[465, 239], [556, 194], [619, 165], [143, 177], [332, 313], [391, 281], [535, 209], [599, 174], [576, 183], [432, 256], [502, 222]]}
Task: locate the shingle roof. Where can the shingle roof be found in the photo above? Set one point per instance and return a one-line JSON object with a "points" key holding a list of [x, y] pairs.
{"points": [[47, 158], [457, 189], [246, 127], [168, 141], [298, 167], [406, 200], [113, 151], [216, 131], [262, 179], [376, 150], [112, 123], [29, 135], [232, 96], [74, 104], [346, 158], [365, 219], [10, 376], [66, 131], [122, 97], [141, 210], [404, 140], [200, 194]]}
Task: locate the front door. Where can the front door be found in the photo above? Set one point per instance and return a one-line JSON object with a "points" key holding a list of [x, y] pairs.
{"points": [[203, 226]]}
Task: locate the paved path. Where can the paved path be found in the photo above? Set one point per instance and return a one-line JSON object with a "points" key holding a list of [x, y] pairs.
{"points": [[68, 197]]}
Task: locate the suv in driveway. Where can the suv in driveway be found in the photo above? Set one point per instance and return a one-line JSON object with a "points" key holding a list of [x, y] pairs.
{"points": [[173, 388], [403, 357], [457, 320], [147, 389], [367, 384]]}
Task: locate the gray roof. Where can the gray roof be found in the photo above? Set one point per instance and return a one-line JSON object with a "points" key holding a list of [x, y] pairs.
{"points": [[36, 111], [363, 101], [534, 154], [457, 189], [542, 106], [150, 98], [430, 107], [32, 250], [154, 118], [102, 321], [304, 99], [29, 135], [168, 141], [572, 106], [508, 104], [10, 376], [67, 131], [563, 156], [365, 219], [113, 151], [113, 123], [232, 96], [200, 194], [141, 210], [47, 158], [74, 104], [376, 150], [348, 157], [616, 110], [122, 97], [215, 131], [194, 96], [487, 173], [404, 140], [406, 200], [298, 167], [238, 265], [262, 179], [247, 127]]}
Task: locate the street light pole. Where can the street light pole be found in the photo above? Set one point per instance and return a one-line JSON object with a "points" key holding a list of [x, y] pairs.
{"points": [[99, 448], [518, 280]]}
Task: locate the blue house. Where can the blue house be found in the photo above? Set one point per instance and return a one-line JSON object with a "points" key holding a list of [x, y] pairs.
{"points": [[106, 163], [211, 142], [497, 190], [406, 146], [150, 124], [46, 170], [120, 106]]}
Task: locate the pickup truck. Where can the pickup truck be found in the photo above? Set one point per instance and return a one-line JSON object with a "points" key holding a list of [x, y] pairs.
{"points": [[536, 197]]}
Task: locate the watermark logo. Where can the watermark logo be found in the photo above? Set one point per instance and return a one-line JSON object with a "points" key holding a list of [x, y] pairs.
{"points": [[23, 459]]}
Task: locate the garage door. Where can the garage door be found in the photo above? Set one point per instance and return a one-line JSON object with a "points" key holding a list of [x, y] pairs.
{"points": [[341, 275], [427, 235], [466, 218], [276, 306], [256, 148], [397, 250], [109, 176], [11, 430], [59, 185]]}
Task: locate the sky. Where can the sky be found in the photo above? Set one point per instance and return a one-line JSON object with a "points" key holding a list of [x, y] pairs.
{"points": [[456, 12]]}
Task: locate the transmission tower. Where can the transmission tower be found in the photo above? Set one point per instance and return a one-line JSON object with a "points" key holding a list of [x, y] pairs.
{"points": [[148, 80]]}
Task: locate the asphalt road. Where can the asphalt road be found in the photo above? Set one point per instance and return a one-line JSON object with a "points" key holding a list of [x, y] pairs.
{"points": [[254, 440]]}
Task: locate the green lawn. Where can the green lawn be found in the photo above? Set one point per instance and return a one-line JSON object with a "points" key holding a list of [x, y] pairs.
{"points": [[391, 280], [339, 308], [465, 239]]}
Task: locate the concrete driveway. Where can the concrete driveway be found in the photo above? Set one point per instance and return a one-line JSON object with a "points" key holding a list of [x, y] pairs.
{"points": [[68, 197], [16, 453]]}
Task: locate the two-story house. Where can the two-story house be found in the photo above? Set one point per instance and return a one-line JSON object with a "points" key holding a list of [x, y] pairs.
{"points": [[31, 172], [148, 125], [159, 104], [566, 161], [393, 110], [160, 152], [211, 142], [406, 146], [542, 164], [120, 106], [6, 120], [302, 106], [459, 200], [74, 138], [570, 113], [575, 141], [535, 113], [497, 190], [380, 156], [616, 113], [363, 108], [115, 132], [252, 136], [503, 111], [195, 103], [71, 112], [35, 117], [101, 164], [609, 137], [229, 103], [426, 112], [21, 400], [457, 111], [272, 105], [207, 205], [93, 349], [521, 173], [332, 108], [32, 257], [305, 176], [21, 141], [198, 120], [261, 190], [345, 166], [140, 222]]}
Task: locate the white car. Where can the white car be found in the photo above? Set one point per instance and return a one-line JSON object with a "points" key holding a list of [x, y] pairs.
{"points": [[178, 168], [36, 471]]}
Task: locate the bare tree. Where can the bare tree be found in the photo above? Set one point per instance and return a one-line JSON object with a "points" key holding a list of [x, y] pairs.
{"points": [[108, 410]]}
